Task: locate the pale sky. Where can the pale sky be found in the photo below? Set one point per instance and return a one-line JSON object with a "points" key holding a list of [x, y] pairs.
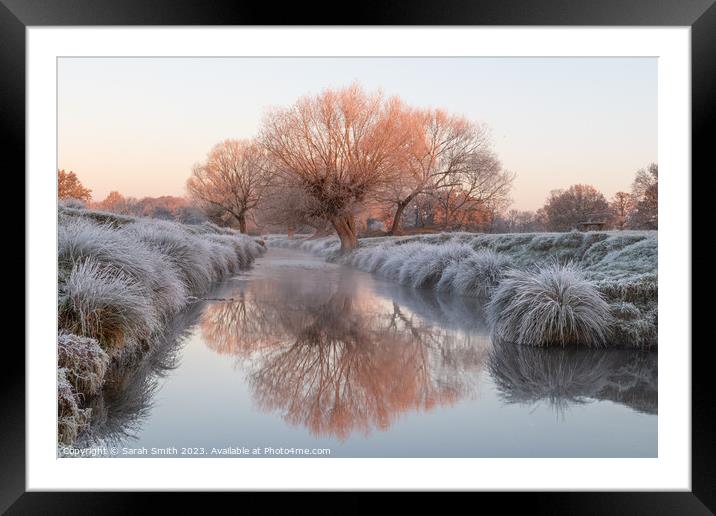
{"points": [[137, 125]]}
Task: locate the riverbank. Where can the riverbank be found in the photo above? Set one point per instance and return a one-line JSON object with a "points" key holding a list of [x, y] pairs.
{"points": [[121, 280], [593, 289]]}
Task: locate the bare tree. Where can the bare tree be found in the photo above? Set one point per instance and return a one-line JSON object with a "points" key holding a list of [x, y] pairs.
{"points": [[232, 178], [621, 205], [516, 221], [423, 211], [481, 183], [645, 180], [645, 191], [338, 147], [437, 153], [288, 207]]}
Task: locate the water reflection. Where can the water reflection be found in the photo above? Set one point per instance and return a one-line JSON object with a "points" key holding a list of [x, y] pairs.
{"points": [[126, 400], [337, 358], [340, 352], [563, 377]]}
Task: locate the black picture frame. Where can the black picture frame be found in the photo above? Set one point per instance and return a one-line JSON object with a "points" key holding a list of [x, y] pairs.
{"points": [[700, 15]]}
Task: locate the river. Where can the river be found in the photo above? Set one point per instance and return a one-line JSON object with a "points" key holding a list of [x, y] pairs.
{"points": [[301, 357]]}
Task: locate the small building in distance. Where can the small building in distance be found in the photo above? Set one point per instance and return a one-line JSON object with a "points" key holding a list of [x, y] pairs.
{"points": [[591, 225], [595, 222]]}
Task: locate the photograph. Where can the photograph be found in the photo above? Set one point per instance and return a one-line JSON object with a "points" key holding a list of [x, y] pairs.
{"points": [[357, 257]]}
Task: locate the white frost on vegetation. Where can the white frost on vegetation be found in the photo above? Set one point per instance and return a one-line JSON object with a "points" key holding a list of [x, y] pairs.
{"points": [[121, 278], [106, 304], [84, 361], [478, 274], [620, 265], [120, 281], [554, 304]]}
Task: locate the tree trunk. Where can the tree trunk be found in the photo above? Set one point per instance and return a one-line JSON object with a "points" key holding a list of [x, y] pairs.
{"points": [[242, 223], [346, 229], [291, 232], [395, 228]]}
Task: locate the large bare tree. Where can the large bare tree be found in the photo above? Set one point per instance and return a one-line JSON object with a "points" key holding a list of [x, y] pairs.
{"points": [[339, 147], [232, 178], [438, 152]]}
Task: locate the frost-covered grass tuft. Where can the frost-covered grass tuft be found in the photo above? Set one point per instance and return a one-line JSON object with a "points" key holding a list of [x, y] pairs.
{"points": [[188, 254], [400, 261], [553, 304], [106, 304], [84, 361], [477, 275], [429, 268]]}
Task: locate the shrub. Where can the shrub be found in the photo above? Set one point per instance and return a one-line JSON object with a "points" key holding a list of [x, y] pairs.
{"points": [[553, 304]]}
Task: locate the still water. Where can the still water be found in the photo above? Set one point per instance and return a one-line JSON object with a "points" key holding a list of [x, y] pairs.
{"points": [[302, 354]]}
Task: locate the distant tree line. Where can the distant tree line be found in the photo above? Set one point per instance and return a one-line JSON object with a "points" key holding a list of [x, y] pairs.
{"points": [[564, 210], [166, 207], [579, 204], [347, 161]]}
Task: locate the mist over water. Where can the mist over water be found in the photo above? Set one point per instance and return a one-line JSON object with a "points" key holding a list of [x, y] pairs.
{"points": [[299, 353]]}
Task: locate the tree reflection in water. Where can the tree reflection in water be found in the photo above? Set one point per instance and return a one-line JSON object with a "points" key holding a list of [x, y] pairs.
{"points": [[339, 359]]}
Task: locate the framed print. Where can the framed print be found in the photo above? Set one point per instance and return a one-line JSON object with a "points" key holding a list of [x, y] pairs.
{"points": [[420, 252]]}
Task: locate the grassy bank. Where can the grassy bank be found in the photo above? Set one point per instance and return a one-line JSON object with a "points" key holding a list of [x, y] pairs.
{"points": [[584, 288], [121, 280]]}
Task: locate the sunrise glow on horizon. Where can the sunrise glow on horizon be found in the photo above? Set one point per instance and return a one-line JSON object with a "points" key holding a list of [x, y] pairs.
{"points": [[137, 125]]}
